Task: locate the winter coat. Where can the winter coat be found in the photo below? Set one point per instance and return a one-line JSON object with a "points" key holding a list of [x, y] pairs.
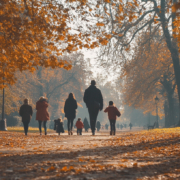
{"points": [[93, 97], [42, 112], [26, 112], [79, 125], [58, 126], [70, 108], [112, 112]]}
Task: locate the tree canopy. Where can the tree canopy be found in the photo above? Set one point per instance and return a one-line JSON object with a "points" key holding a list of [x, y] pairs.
{"points": [[37, 33]]}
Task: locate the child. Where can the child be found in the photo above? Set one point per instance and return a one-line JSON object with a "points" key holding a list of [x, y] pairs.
{"points": [[112, 113], [79, 125], [58, 125]]}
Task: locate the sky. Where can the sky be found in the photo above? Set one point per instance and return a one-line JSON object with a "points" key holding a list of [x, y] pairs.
{"points": [[92, 55]]}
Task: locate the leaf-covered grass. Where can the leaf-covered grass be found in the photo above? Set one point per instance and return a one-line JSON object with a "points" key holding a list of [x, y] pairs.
{"points": [[30, 129], [141, 155]]}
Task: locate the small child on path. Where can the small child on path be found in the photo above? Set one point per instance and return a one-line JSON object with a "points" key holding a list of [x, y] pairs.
{"points": [[80, 126], [112, 113], [58, 126]]}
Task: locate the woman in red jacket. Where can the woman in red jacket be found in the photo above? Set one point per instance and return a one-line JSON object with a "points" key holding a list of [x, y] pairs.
{"points": [[80, 126], [42, 114], [112, 113]]}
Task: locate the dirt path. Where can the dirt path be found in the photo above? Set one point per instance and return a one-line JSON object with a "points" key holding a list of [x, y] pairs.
{"points": [[128, 155]]}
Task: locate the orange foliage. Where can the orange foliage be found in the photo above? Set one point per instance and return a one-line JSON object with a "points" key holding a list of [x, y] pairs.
{"points": [[32, 34], [142, 74], [100, 24]]}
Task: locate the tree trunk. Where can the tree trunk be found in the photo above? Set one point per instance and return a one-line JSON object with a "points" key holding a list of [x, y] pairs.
{"points": [[172, 46], [175, 57], [166, 112]]}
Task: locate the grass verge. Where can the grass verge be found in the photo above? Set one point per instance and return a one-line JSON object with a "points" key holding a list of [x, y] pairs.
{"points": [[30, 129]]}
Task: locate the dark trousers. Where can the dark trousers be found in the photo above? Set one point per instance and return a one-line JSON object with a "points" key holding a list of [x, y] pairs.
{"points": [[26, 125], [79, 131], [93, 113], [113, 125], [44, 124], [70, 124]]}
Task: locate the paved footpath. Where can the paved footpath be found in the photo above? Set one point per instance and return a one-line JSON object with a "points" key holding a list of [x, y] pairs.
{"points": [[87, 157]]}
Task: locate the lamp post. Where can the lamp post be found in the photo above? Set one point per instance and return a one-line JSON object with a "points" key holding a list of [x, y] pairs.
{"points": [[3, 120], [156, 102]]}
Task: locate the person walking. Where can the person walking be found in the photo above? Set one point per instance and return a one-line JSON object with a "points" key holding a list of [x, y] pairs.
{"points": [[112, 113], [26, 113], [86, 124], [58, 126], [106, 126], [130, 125], [98, 125], [94, 102], [42, 115], [80, 126], [70, 107]]}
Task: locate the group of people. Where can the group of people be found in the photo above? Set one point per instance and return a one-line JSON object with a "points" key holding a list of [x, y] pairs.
{"points": [[121, 126], [94, 102], [42, 115]]}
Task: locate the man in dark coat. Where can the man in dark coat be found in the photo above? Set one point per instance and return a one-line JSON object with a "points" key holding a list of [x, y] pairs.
{"points": [[26, 113], [94, 102]]}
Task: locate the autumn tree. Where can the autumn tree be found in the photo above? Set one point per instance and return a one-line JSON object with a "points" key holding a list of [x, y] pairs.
{"points": [[150, 72], [37, 33], [55, 84], [125, 20]]}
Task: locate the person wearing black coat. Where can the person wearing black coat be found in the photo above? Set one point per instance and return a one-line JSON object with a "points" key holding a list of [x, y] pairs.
{"points": [[86, 124], [94, 102], [26, 113], [58, 126], [70, 111], [98, 125]]}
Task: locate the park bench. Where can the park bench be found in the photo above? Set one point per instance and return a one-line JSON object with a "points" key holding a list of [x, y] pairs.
{"points": [[151, 127]]}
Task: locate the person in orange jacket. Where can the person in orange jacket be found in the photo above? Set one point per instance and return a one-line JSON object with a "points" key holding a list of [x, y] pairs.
{"points": [[112, 113], [80, 126]]}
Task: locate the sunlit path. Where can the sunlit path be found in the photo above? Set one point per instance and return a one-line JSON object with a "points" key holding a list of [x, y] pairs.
{"points": [[128, 155]]}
